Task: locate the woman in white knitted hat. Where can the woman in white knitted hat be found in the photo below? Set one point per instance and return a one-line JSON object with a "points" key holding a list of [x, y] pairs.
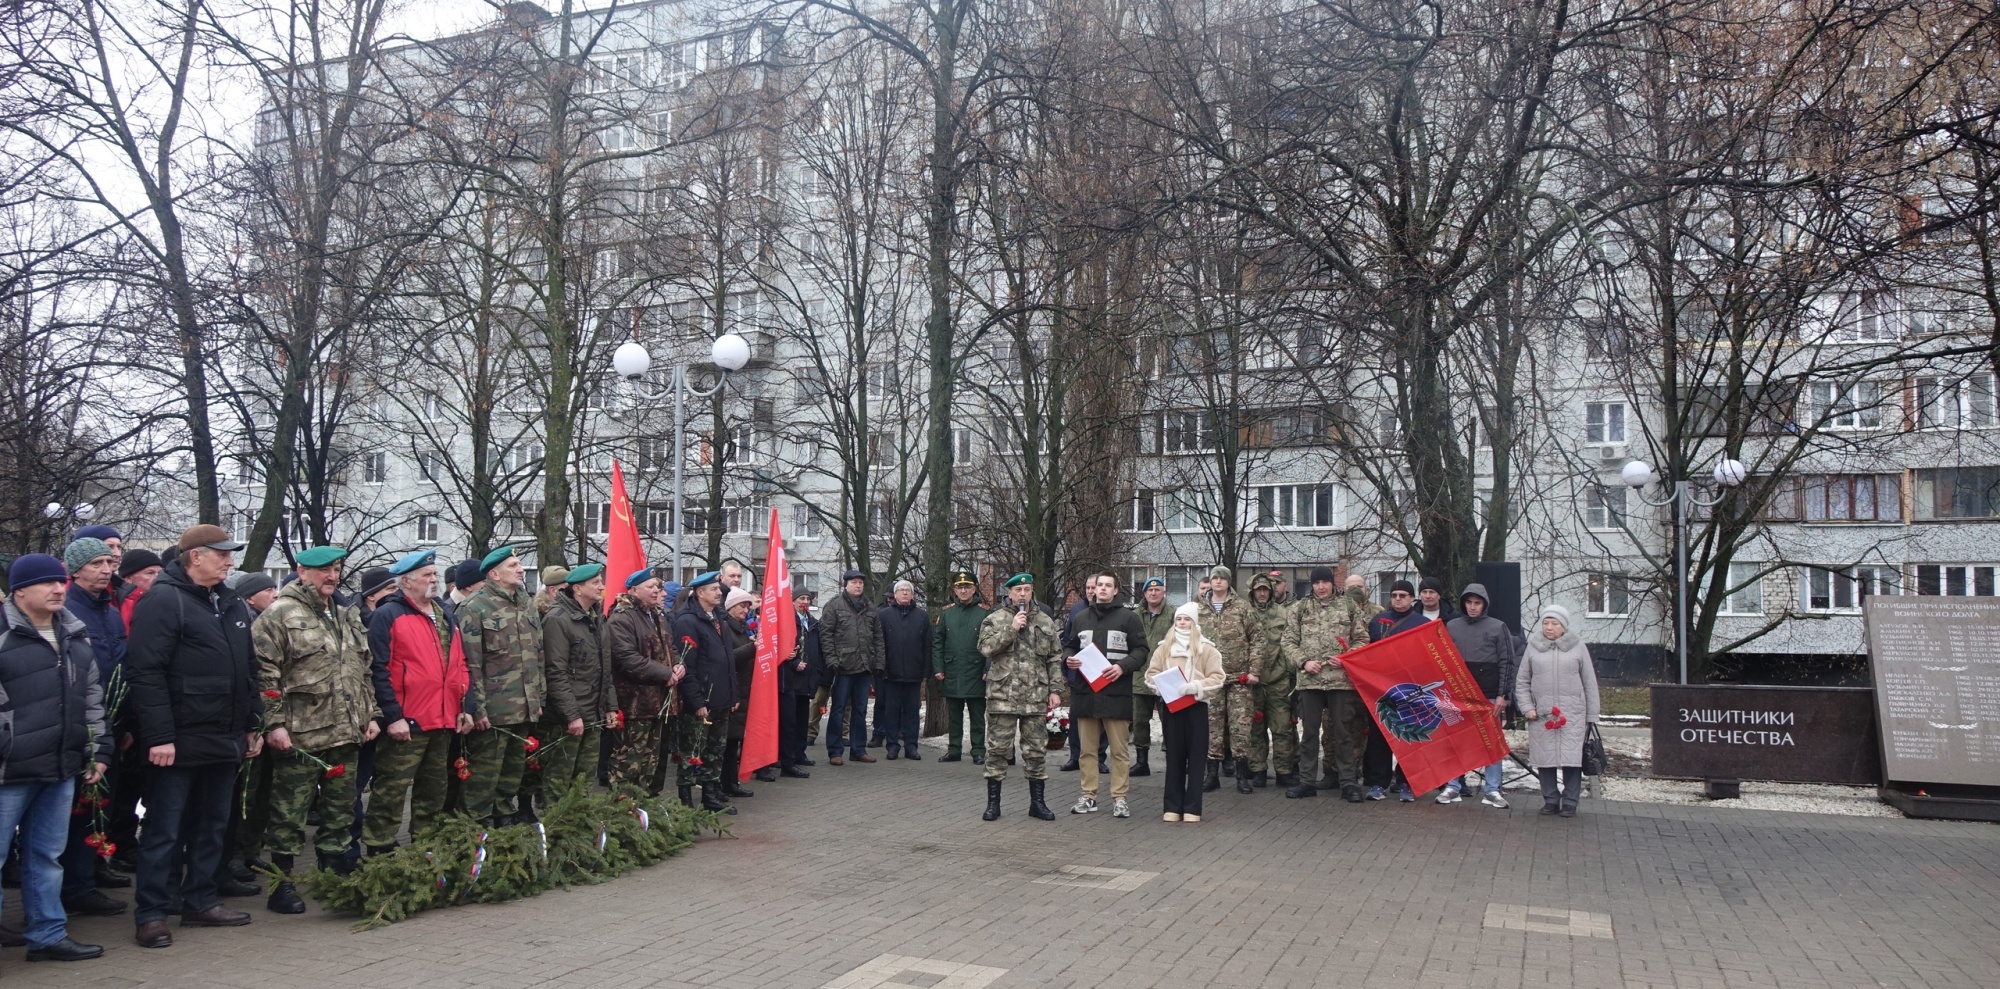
{"points": [[1556, 689], [1186, 730]]}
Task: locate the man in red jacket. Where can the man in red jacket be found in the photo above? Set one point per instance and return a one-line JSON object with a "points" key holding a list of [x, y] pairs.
{"points": [[420, 681]]}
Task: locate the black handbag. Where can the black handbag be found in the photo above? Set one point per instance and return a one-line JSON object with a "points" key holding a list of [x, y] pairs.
{"points": [[1593, 753]]}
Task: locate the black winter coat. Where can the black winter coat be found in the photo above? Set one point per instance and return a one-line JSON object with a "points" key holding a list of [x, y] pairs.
{"points": [[803, 683], [192, 671], [906, 643], [1120, 635], [710, 680], [51, 705]]}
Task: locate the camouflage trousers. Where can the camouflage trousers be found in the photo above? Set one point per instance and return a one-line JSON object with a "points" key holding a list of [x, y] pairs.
{"points": [[1232, 713], [419, 769], [1031, 731], [563, 757], [298, 785], [818, 713], [701, 746], [1279, 749], [636, 759], [1143, 708], [498, 763]]}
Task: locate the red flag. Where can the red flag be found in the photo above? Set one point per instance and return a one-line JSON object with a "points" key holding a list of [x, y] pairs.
{"points": [[625, 555], [777, 634], [1437, 720]]}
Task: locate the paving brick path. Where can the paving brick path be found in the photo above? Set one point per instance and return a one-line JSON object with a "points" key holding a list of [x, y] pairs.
{"points": [[884, 875]]}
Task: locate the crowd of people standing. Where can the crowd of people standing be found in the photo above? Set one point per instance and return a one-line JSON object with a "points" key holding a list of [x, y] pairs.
{"points": [[252, 718]]}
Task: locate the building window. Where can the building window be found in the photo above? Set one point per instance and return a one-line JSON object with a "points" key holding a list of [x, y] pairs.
{"points": [[961, 445], [1187, 510], [1843, 590], [1957, 493], [427, 528], [1842, 498], [1848, 405], [1136, 512], [1604, 422], [1608, 595], [1182, 582], [739, 445], [743, 516], [594, 518], [1604, 508], [1869, 317], [1944, 403], [1744, 593], [879, 380], [1956, 580], [1295, 506], [1187, 432], [805, 523], [431, 465], [374, 468], [881, 521], [881, 451], [524, 457]]}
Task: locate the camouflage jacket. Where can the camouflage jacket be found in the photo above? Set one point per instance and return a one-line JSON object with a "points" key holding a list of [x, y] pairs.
{"points": [[1238, 635], [1159, 628], [1272, 619], [502, 635], [1024, 668], [1319, 629], [316, 658]]}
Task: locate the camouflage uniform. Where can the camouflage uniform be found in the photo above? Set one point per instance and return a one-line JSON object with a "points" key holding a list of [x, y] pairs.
{"points": [[502, 636], [1279, 749], [579, 681], [1239, 636], [314, 655], [636, 641], [1023, 669], [1319, 629], [1145, 701]]}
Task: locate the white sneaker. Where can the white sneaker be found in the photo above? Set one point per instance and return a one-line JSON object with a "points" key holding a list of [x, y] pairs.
{"points": [[1084, 805], [1119, 808], [1494, 799], [1450, 795]]}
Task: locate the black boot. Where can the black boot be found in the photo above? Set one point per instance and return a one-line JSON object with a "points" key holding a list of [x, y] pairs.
{"points": [[1140, 767], [686, 793], [1301, 788], [1036, 808], [1228, 766], [1285, 779], [1103, 767], [1242, 775], [284, 897], [1213, 782], [1070, 766], [992, 801], [736, 789], [711, 800], [1260, 778], [526, 815]]}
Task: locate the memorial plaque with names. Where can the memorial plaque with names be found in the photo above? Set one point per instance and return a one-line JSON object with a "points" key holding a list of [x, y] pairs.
{"points": [[1936, 663]]}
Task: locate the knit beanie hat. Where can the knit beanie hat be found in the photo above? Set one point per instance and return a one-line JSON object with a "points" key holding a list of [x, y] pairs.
{"points": [[83, 551], [35, 568], [137, 560]]}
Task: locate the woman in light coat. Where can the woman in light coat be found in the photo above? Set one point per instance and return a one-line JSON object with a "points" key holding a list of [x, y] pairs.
{"points": [[1186, 730], [1556, 689]]}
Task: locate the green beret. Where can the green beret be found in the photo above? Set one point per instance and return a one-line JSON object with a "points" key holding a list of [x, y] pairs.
{"points": [[494, 559], [1019, 579], [320, 556], [580, 574]]}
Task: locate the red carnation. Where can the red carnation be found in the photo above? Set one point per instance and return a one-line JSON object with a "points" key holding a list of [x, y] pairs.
{"points": [[531, 743], [93, 840], [464, 773], [615, 719], [694, 760], [1258, 716], [337, 771], [272, 694], [76, 811], [534, 763], [687, 642], [107, 849]]}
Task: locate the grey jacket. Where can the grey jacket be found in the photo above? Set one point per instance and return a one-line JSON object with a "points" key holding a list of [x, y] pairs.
{"points": [[1487, 646]]}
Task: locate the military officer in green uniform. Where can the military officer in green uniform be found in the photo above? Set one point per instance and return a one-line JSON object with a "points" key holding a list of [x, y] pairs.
{"points": [[319, 706], [1228, 622], [502, 636], [960, 668], [1158, 621], [1274, 740], [1023, 676], [579, 675]]}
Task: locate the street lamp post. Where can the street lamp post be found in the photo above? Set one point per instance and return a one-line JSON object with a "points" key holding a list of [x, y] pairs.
{"points": [[1637, 474], [729, 352]]}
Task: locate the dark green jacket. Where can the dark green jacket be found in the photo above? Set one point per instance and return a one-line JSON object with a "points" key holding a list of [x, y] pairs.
{"points": [[955, 650], [577, 662], [1158, 628]]}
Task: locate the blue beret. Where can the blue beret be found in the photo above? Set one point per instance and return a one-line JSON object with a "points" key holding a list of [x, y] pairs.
{"points": [[320, 556], [1151, 582], [639, 577], [703, 580], [1019, 579], [580, 574], [494, 559], [414, 561]]}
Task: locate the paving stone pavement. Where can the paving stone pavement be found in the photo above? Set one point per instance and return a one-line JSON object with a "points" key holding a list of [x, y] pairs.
{"points": [[884, 875]]}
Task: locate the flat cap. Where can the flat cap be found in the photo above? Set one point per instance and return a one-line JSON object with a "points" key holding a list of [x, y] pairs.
{"points": [[851, 574], [207, 536], [553, 574]]}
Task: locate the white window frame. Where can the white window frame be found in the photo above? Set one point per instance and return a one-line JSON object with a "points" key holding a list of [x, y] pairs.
{"points": [[1608, 595], [1605, 507], [427, 529], [375, 468], [1956, 579], [1295, 506], [1841, 590], [1606, 422], [1748, 601], [1186, 510], [1849, 406], [1138, 511], [805, 522]]}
